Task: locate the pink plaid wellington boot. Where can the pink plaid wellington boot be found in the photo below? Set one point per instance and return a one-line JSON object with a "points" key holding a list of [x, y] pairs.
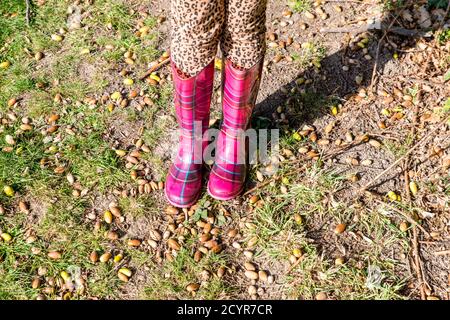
{"points": [[192, 98], [240, 88]]}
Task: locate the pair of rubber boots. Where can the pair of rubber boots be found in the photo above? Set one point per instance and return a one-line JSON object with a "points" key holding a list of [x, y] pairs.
{"points": [[192, 99]]}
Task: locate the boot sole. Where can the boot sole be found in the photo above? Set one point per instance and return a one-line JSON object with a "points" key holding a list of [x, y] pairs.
{"points": [[225, 198], [190, 204]]}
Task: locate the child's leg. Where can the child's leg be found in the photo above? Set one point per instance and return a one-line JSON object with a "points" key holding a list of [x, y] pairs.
{"points": [[243, 45], [196, 30], [243, 39]]}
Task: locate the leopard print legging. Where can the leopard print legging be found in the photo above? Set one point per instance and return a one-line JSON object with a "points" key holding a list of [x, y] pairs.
{"points": [[198, 26]]}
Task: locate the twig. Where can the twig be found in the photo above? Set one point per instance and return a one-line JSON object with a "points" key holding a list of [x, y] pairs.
{"points": [[428, 135], [407, 180], [446, 14], [428, 82], [378, 27], [27, 12], [296, 263], [417, 264], [351, 1], [383, 136], [324, 158], [259, 186], [377, 56], [408, 218], [405, 168], [434, 243], [441, 253], [155, 68], [265, 183]]}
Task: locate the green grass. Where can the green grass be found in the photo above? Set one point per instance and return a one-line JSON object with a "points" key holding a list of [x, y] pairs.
{"points": [[21, 167], [311, 54], [318, 275], [274, 226], [312, 198], [443, 37], [93, 161], [389, 5], [117, 15], [398, 149], [176, 275], [442, 4], [316, 186], [300, 5], [60, 218], [143, 205], [60, 229], [16, 36]]}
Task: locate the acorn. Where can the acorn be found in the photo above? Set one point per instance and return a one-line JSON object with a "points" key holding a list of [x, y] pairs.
{"points": [[413, 188], [340, 228], [93, 257], [6, 237], [122, 277], [173, 244], [252, 275], [134, 242], [108, 217], [105, 257], [126, 272], [249, 266], [55, 255], [192, 287], [403, 226]]}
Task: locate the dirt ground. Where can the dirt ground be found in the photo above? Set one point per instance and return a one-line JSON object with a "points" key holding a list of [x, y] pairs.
{"points": [[362, 115]]}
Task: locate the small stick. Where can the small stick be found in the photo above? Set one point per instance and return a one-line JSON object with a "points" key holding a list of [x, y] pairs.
{"points": [[27, 12], [428, 135], [261, 185], [429, 242], [294, 265], [408, 218], [424, 275], [406, 165], [417, 264], [265, 183], [446, 13], [326, 157], [350, 1], [380, 42], [396, 30], [155, 68], [441, 253], [407, 180]]}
